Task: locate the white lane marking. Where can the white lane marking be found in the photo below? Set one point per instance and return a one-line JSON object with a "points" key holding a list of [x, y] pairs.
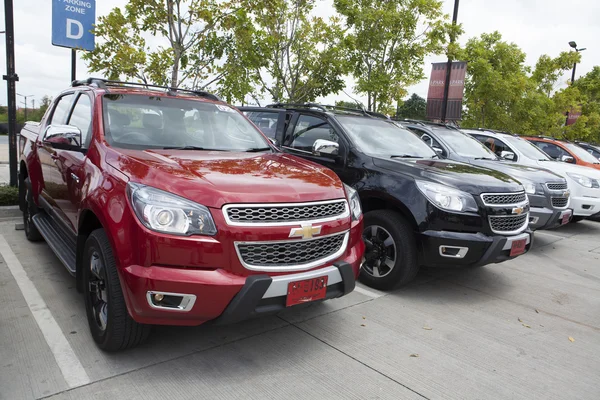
{"points": [[368, 292], [65, 357]]}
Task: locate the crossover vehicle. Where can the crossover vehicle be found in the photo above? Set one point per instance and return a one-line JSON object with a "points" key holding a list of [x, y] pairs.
{"points": [[171, 208], [561, 150], [549, 208], [419, 210], [583, 182], [590, 148]]}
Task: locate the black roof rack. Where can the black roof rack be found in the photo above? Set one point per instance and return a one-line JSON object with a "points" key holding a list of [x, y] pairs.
{"points": [[327, 108], [105, 83]]}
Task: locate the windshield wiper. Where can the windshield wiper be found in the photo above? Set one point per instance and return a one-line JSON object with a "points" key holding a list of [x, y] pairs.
{"points": [[189, 148], [257, 150], [404, 156]]}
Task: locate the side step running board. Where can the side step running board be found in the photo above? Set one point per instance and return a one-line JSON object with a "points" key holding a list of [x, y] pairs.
{"points": [[62, 245]]}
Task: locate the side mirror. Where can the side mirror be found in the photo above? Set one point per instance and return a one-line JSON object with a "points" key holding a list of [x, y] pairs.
{"points": [[323, 147], [508, 155], [65, 137], [567, 159], [438, 151]]}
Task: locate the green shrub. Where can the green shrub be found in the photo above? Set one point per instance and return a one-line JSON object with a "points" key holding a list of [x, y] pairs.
{"points": [[9, 196]]}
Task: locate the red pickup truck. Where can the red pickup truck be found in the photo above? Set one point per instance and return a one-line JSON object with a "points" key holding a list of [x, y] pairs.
{"points": [[170, 207]]}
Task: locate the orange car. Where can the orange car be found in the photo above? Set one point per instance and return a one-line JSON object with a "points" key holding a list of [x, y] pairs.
{"points": [[562, 150]]}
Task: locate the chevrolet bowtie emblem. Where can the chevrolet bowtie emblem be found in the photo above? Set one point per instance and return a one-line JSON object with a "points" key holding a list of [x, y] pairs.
{"points": [[307, 231], [518, 210]]}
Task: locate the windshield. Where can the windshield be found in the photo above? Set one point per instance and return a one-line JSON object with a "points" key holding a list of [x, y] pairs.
{"points": [[382, 138], [465, 145], [582, 153], [526, 148], [155, 122]]}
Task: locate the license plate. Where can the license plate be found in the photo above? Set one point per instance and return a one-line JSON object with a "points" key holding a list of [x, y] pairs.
{"points": [[518, 247], [565, 219], [300, 292]]}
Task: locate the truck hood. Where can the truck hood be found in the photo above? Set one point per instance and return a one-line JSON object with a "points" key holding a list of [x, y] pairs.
{"points": [[562, 168], [215, 178], [518, 171], [469, 178]]}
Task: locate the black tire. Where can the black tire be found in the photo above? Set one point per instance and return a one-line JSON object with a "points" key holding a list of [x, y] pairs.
{"points": [[575, 220], [403, 267], [29, 210], [110, 324]]}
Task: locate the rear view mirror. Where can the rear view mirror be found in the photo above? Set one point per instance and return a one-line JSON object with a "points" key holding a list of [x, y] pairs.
{"points": [[567, 159], [508, 155], [326, 148], [64, 137]]}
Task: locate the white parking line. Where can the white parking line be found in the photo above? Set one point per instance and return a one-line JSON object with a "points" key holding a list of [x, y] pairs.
{"points": [[368, 292], [65, 357]]}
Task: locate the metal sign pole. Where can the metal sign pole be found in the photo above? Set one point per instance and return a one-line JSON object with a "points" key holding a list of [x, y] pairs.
{"points": [[11, 77], [73, 64]]}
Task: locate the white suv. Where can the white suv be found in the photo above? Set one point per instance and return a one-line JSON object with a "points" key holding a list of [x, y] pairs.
{"points": [[583, 182]]}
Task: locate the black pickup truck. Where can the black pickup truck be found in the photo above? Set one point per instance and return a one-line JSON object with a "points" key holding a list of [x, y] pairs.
{"points": [[420, 210], [549, 207]]}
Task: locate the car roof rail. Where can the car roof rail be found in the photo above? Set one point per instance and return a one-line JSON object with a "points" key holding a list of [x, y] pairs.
{"points": [[327, 108], [425, 123], [106, 83]]}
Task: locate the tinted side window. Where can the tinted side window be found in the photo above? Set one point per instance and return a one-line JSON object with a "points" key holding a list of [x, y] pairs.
{"points": [[430, 140], [554, 151], [81, 117], [307, 130], [266, 121], [61, 111], [495, 145], [593, 152]]}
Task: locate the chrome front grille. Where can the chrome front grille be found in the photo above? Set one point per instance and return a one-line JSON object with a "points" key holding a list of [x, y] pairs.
{"points": [[285, 213], [509, 224], [502, 199], [557, 186], [560, 202], [291, 255]]}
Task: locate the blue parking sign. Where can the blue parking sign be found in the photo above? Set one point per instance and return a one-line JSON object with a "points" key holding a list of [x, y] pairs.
{"points": [[72, 23]]}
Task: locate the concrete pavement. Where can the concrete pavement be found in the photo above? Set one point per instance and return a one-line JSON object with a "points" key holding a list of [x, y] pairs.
{"points": [[498, 332]]}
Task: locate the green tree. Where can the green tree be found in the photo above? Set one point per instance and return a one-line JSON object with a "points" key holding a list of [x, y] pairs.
{"points": [[387, 42], [496, 80], [190, 28], [413, 108], [548, 70], [291, 55]]}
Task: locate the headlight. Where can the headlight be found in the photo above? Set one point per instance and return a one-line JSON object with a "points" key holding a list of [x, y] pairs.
{"points": [[447, 198], [354, 202], [529, 186], [582, 180], [167, 213]]}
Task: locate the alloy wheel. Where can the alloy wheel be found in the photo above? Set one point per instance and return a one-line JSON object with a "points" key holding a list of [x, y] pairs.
{"points": [[97, 291], [380, 257]]}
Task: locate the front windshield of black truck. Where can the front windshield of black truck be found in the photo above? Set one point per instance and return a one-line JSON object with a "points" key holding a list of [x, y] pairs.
{"points": [[465, 145], [528, 149], [156, 122], [382, 138]]}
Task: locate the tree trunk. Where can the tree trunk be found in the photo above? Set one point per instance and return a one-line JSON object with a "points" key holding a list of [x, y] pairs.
{"points": [[369, 101]]}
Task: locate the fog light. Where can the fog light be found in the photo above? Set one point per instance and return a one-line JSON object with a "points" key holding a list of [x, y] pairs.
{"points": [[158, 297]]}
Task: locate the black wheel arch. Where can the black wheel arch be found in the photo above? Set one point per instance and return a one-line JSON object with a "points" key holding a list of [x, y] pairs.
{"points": [[88, 222]]}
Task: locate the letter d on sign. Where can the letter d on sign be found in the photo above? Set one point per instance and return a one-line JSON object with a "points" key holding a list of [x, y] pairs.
{"points": [[70, 33]]}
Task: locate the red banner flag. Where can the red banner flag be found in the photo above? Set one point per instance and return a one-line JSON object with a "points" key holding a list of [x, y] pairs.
{"points": [[435, 96]]}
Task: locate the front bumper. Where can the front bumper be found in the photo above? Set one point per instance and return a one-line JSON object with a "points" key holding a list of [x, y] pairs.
{"points": [[480, 248], [222, 296], [545, 218], [585, 206]]}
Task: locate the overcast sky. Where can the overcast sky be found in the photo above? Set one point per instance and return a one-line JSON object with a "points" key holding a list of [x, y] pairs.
{"points": [[537, 26]]}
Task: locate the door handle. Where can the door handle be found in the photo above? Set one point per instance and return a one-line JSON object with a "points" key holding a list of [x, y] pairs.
{"points": [[75, 177]]}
